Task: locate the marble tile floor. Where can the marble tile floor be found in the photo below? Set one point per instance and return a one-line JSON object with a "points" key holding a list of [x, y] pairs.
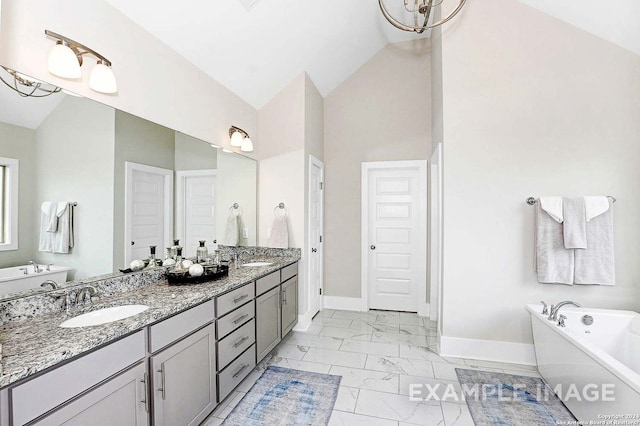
{"points": [[379, 355]]}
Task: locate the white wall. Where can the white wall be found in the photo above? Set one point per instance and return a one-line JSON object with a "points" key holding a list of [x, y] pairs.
{"points": [[20, 143], [154, 82], [74, 162], [380, 113], [532, 106]]}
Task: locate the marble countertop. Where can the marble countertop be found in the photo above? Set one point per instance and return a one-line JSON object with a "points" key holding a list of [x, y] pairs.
{"points": [[37, 344]]}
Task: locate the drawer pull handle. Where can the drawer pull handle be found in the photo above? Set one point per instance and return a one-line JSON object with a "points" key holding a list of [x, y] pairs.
{"points": [[244, 296], [284, 297], [240, 370], [145, 401], [162, 387], [241, 341], [240, 318]]}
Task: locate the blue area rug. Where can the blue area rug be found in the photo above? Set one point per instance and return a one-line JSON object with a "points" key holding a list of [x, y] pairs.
{"points": [[282, 396], [507, 399]]}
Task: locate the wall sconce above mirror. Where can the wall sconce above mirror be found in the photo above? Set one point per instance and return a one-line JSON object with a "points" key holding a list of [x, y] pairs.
{"points": [[240, 138], [65, 60]]}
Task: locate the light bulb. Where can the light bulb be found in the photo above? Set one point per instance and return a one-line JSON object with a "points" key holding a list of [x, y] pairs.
{"points": [[102, 79], [63, 62], [247, 145]]}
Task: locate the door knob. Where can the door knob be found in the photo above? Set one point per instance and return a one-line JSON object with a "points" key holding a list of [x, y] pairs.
{"points": [[314, 250], [133, 243], [373, 247]]}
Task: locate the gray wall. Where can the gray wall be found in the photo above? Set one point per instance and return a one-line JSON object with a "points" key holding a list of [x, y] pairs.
{"points": [[74, 162], [194, 154], [381, 113], [20, 143]]}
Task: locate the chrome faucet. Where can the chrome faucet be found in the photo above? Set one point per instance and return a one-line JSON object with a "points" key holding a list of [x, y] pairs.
{"points": [[84, 292], [52, 283], [36, 267], [553, 315], [545, 309]]}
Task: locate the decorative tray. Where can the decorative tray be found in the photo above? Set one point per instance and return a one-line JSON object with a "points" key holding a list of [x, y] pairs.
{"points": [[211, 272]]}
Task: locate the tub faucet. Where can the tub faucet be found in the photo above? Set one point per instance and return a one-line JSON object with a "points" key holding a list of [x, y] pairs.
{"points": [[545, 309], [553, 315], [84, 292], [52, 283], [36, 267]]}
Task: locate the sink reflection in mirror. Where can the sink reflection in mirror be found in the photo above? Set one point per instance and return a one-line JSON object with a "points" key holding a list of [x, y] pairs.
{"points": [[75, 149], [104, 316]]}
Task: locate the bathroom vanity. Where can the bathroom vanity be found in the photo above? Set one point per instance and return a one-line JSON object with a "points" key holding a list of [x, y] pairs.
{"points": [[170, 365]]}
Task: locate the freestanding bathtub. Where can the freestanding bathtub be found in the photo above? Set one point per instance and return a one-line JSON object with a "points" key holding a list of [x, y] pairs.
{"points": [[14, 280], [594, 369]]}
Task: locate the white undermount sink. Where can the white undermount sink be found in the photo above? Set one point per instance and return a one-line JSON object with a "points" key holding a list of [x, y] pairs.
{"points": [[257, 264], [103, 316]]}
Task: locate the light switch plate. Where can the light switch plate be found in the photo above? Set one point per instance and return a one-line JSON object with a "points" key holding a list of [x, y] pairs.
{"points": [[245, 232]]}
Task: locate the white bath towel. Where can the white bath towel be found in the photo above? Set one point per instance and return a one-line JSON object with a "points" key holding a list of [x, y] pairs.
{"points": [[574, 227], [553, 207], [554, 263], [595, 206], [232, 230], [279, 237], [58, 237], [596, 265]]}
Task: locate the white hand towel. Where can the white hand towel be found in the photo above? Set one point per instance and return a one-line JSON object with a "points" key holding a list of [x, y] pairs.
{"points": [[46, 209], [279, 237], [596, 264], [63, 237], [554, 263], [595, 206], [47, 217], [553, 207], [574, 227], [232, 230]]}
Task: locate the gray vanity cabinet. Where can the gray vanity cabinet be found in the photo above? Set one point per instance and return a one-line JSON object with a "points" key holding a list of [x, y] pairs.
{"points": [[289, 290], [268, 325], [121, 401], [184, 380]]}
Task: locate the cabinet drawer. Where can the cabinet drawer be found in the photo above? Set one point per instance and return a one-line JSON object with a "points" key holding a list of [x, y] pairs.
{"points": [[265, 284], [235, 319], [288, 272], [236, 372], [235, 343], [238, 297], [45, 392], [176, 327]]}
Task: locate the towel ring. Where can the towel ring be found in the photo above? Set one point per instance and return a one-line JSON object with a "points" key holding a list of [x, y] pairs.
{"points": [[234, 206], [280, 206]]}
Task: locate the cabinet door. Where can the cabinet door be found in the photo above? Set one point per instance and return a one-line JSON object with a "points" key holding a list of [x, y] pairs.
{"points": [[120, 401], [289, 304], [267, 322], [184, 380]]}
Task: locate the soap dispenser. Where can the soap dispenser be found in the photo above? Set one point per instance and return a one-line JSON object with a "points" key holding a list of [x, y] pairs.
{"points": [[202, 253]]}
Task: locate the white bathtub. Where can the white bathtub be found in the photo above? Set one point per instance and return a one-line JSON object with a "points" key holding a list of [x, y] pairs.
{"points": [[14, 280], [597, 367]]}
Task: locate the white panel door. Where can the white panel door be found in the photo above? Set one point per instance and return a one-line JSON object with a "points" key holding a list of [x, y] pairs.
{"points": [[197, 221], [316, 169], [396, 236], [149, 203]]}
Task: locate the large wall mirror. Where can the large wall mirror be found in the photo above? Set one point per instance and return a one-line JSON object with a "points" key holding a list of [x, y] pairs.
{"points": [[130, 183]]}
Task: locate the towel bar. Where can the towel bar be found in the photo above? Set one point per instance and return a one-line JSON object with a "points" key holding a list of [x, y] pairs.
{"points": [[532, 201]]}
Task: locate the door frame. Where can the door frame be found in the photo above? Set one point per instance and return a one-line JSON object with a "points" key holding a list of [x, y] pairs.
{"points": [[421, 165], [313, 161], [130, 167], [181, 180], [435, 253]]}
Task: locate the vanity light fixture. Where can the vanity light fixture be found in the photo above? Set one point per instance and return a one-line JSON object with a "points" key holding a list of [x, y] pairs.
{"points": [[241, 139], [27, 86], [412, 11], [65, 60]]}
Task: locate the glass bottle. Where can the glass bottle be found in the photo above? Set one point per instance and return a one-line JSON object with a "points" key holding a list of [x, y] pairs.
{"points": [[217, 258], [169, 258], [202, 253], [180, 266], [152, 258], [174, 249]]}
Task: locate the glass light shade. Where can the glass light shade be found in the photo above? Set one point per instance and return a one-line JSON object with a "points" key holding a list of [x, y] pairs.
{"points": [[236, 139], [102, 79], [247, 145], [63, 62]]}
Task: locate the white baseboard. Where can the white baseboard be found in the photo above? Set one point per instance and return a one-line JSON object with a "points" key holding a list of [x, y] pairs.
{"points": [[304, 321], [488, 350], [344, 303], [424, 309]]}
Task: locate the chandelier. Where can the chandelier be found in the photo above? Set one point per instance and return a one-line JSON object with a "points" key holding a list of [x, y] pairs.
{"points": [[419, 12], [27, 86]]}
